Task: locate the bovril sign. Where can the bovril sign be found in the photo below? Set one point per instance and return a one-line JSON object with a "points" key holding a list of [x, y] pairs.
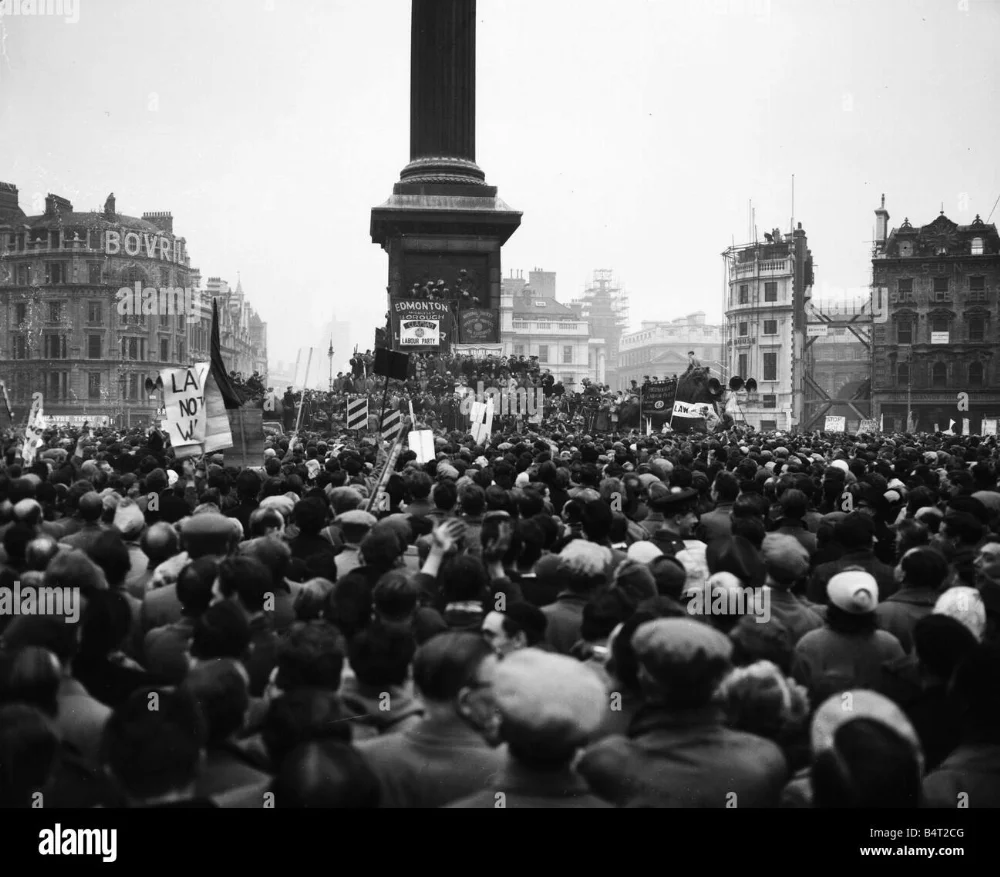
{"points": [[149, 246]]}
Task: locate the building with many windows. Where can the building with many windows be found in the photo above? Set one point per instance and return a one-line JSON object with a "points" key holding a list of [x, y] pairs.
{"points": [[660, 349], [534, 323], [67, 332], [936, 294], [768, 286]]}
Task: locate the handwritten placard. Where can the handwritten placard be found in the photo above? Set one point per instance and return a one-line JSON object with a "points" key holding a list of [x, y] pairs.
{"points": [[184, 402]]}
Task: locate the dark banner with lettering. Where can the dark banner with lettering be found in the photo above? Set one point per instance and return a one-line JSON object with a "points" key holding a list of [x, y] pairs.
{"points": [[479, 326], [421, 325], [658, 399]]}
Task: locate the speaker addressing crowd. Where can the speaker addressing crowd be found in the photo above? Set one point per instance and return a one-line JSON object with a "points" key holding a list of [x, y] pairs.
{"points": [[551, 615]]}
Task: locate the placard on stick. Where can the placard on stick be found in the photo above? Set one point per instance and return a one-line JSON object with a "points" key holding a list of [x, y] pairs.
{"points": [[422, 444]]}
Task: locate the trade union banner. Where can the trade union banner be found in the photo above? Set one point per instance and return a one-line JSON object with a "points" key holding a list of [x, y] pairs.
{"points": [[478, 326], [420, 324], [658, 399]]}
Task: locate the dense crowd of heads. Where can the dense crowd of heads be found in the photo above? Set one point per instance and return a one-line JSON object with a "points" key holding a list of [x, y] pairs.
{"points": [[547, 618]]}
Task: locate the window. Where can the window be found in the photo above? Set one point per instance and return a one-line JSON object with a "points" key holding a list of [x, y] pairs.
{"points": [[940, 289], [904, 332], [55, 347], [939, 375], [164, 350], [568, 355], [56, 272], [743, 365], [23, 275], [95, 313], [770, 366], [902, 374], [770, 291], [977, 329], [977, 289], [744, 294], [94, 272], [770, 401], [770, 327], [164, 319], [57, 385], [94, 385], [939, 324], [518, 350], [55, 311], [906, 289], [180, 351], [975, 374], [977, 246], [94, 346], [134, 348], [744, 330], [20, 313], [21, 347], [181, 322], [543, 354], [768, 425]]}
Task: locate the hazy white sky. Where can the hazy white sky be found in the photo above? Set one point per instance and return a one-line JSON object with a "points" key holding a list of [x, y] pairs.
{"points": [[631, 134]]}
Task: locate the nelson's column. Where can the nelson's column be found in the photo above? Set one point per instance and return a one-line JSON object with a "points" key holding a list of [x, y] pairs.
{"points": [[444, 226]]}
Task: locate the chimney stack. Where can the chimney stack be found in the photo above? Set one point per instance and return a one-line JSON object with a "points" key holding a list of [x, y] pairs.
{"points": [[163, 221], [8, 198], [54, 205]]}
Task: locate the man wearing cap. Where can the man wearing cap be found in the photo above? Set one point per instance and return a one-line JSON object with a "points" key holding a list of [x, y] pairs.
{"points": [[355, 525], [786, 563], [130, 522], [679, 520], [206, 535], [679, 752], [849, 651], [549, 706]]}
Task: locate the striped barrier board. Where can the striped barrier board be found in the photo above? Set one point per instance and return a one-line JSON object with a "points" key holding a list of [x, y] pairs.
{"points": [[357, 414], [392, 423]]}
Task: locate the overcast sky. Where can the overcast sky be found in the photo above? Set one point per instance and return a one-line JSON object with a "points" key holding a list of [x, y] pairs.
{"points": [[631, 134]]}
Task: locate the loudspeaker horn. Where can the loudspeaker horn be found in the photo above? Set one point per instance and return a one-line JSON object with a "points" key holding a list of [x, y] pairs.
{"points": [[714, 387], [736, 383], [751, 385]]}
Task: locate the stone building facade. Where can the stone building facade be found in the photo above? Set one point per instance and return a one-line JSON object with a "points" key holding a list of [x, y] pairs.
{"points": [[936, 294], [66, 330]]}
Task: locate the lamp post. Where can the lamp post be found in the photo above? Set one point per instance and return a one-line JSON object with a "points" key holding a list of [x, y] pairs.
{"points": [[329, 354]]}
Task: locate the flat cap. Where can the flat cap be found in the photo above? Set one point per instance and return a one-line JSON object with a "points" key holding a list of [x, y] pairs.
{"points": [[357, 518], [208, 524], [549, 695]]}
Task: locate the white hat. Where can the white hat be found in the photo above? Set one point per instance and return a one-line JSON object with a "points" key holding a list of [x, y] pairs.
{"points": [[854, 591], [643, 552]]}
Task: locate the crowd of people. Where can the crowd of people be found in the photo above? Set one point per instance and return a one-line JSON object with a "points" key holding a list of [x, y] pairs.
{"points": [[543, 619], [436, 386]]}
